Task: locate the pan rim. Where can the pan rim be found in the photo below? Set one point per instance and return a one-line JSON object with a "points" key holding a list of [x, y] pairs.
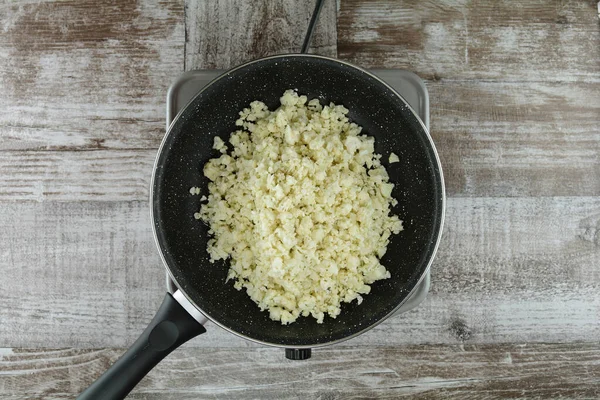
{"points": [[369, 327]]}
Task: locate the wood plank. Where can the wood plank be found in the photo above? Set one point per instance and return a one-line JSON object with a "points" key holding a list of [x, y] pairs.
{"points": [[102, 175], [87, 74], [488, 39], [515, 96], [542, 139], [567, 371], [548, 146], [510, 139], [223, 34], [87, 274]]}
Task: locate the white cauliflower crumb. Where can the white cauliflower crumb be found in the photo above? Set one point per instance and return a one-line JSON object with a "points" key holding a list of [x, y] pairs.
{"points": [[194, 190], [220, 145], [301, 206], [393, 158]]}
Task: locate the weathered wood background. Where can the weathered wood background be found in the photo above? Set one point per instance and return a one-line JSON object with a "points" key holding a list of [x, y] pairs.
{"points": [[515, 113]]}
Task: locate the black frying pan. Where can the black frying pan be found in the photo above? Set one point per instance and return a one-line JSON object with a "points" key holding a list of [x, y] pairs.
{"points": [[182, 240], [187, 147]]}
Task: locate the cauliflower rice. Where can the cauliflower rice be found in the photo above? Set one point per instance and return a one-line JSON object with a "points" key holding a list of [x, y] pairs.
{"points": [[301, 206]]}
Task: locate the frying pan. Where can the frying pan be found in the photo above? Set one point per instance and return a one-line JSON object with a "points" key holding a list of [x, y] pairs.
{"points": [[203, 293]]}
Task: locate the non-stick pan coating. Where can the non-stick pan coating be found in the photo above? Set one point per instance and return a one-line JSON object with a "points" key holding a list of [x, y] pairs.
{"points": [[188, 146]]}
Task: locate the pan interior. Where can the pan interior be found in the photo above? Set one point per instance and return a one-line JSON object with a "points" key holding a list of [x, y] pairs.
{"points": [[188, 146]]}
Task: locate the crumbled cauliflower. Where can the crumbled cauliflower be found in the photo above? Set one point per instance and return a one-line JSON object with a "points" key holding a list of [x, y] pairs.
{"points": [[220, 145], [393, 158], [301, 205]]}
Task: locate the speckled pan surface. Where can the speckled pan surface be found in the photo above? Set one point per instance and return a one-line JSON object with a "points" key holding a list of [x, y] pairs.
{"points": [[373, 105], [407, 83]]}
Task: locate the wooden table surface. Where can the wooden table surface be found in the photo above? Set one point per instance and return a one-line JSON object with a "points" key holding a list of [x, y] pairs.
{"points": [[514, 307]]}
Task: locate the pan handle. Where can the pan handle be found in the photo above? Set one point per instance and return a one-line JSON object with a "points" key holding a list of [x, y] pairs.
{"points": [[175, 322]]}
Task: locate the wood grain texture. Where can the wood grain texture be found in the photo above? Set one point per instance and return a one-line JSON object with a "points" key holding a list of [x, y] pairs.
{"points": [[520, 371], [97, 175], [87, 74], [502, 78], [87, 274], [515, 96], [515, 139], [542, 139], [223, 34], [556, 41]]}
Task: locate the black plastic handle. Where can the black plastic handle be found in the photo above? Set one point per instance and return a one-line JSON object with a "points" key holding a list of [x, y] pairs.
{"points": [[170, 328]]}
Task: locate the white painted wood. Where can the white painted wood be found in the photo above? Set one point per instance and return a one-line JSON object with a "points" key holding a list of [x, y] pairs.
{"points": [[223, 34], [514, 139], [526, 371], [542, 139], [87, 75], [98, 175], [515, 100], [87, 274], [549, 41]]}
